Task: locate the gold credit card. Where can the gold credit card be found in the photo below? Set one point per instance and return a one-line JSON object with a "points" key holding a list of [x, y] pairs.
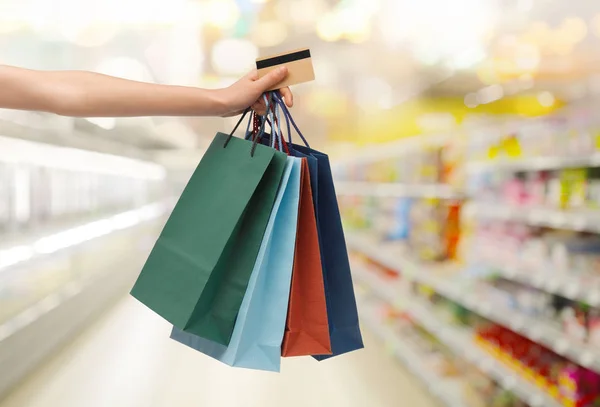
{"points": [[298, 63]]}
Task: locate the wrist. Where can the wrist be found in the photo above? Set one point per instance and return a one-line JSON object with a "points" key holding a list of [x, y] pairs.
{"points": [[220, 102]]}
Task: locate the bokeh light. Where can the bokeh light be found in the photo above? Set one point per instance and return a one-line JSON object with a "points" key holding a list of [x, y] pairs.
{"points": [[546, 99], [490, 94], [596, 24], [233, 56], [574, 29], [270, 33], [222, 14]]}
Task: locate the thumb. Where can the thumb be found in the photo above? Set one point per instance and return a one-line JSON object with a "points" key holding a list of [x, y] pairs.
{"points": [[272, 78]]}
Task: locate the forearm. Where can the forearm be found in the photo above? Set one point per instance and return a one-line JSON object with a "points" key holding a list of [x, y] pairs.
{"points": [[87, 94], [100, 95]]}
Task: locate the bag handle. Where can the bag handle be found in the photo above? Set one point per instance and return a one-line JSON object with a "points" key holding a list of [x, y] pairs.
{"points": [[288, 116], [275, 129], [236, 127], [272, 116], [277, 120], [251, 119], [273, 119], [276, 125], [268, 101], [256, 123]]}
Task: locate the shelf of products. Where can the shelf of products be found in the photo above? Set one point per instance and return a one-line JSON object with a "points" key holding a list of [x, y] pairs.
{"points": [[397, 190], [522, 366], [566, 263], [516, 259], [447, 391], [386, 290], [588, 221], [542, 331], [485, 300], [536, 163], [462, 342], [433, 163], [445, 373], [565, 140], [572, 287]]}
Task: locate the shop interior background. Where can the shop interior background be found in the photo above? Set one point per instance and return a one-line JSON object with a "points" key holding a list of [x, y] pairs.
{"points": [[466, 150]]}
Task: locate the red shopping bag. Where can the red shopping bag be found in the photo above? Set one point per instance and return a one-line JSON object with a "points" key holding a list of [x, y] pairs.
{"points": [[307, 327]]}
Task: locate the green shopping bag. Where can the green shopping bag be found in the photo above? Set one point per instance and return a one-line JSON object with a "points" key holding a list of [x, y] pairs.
{"points": [[198, 271]]}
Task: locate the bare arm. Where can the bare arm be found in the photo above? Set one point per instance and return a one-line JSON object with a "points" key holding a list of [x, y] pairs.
{"points": [[88, 94]]}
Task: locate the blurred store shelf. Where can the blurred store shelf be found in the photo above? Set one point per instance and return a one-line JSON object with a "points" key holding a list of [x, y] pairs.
{"points": [[531, 327], [64, 235], [571, 286], [536, 163], [386, 291], [447, 391], [459, 340], [63, 240], [397, 190], [586, 220], [460, 290], [55, 285], [463, 343]]}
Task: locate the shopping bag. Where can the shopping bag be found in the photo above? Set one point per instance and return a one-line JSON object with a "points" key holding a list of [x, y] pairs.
{"points": [[197, 273], [307, 328], [258, 332], [344, 329]]}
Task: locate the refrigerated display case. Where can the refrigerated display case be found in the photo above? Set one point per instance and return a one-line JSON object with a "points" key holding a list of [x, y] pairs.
{"points": [[74, 228]]}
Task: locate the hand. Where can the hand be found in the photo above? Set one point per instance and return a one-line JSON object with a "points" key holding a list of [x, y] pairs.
{"points": [[248, 91]]}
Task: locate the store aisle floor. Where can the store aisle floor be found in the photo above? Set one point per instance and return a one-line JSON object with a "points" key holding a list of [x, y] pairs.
{"points": [[126, 359]]}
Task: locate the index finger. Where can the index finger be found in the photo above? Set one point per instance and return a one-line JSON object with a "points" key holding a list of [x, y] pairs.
{"points": [[287, 95]]}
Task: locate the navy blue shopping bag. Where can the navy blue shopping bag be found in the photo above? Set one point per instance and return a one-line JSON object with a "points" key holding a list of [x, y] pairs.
{"points": [[344, 327], [342, 312]]}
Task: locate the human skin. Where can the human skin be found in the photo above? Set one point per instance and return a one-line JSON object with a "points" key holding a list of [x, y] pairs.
{"points": [[89, 94]]}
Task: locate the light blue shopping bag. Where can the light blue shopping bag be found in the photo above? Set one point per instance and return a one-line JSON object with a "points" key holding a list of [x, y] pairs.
{"points": [[260, 325]]}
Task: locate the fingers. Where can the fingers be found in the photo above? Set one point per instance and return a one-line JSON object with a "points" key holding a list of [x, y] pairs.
{"points": [[271, 79], [288, 97], [252, 75], [260, 107]]}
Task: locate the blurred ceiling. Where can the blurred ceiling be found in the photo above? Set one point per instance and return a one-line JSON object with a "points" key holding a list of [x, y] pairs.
{"points": [[382, 66]]}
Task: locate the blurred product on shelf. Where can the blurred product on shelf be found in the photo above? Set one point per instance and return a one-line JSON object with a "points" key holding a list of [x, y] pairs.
{"points": [[539, 252], [574, 134], [574, 319], [481, 391], [428, 225], [573, 385], [574, 189], [424, 163], [457, 382], [567, 382]]}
